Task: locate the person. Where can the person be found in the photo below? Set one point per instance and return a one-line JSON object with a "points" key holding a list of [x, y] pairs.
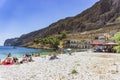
{"points": [[54, 56], [9, 55], [0, 62], [15, 60], [27, 58], [24, 59], [33, 54], [37, 55], [9, 59]]}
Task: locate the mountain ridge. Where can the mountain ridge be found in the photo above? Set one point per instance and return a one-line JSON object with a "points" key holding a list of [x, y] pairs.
{"points": [[101, 14]]}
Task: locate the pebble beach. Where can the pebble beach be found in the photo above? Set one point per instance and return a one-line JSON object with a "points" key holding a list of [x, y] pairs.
{"points": [[78, 66]]}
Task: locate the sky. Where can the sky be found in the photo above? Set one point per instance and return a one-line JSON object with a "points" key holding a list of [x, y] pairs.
{"points": [[19, 17]]}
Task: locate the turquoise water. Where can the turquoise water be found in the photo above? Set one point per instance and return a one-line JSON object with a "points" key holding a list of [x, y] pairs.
{"points": [[20, 51]]}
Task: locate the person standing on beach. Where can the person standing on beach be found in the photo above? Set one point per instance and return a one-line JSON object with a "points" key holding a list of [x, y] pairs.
{"points": [[0, 62]]}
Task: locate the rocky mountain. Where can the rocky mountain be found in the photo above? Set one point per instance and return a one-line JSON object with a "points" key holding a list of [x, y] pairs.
{"points": [[101, 14]]}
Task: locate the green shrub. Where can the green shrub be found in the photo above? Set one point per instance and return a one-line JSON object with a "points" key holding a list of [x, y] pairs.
{"points": [[116, 37], [74, 71]]}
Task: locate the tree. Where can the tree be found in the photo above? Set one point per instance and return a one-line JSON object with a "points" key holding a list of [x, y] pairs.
{"points": [[116, 37], [64, 34], [54, 42], [36, 40]]}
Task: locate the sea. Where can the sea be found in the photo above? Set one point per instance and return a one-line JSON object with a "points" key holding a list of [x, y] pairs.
{"points": [[20, 51]]}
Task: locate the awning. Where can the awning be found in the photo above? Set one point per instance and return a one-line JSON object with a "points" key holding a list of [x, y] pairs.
{"points": [[97, 43], [111, 44]]}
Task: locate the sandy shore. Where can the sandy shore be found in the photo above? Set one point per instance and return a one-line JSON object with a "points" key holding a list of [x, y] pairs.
{"points": [[78, 66]]}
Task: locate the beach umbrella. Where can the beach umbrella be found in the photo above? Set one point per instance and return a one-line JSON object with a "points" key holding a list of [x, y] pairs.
{"points": [[69, 49]]}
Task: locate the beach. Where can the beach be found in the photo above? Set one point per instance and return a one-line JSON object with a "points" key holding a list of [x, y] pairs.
{"points": [[78, 66]]}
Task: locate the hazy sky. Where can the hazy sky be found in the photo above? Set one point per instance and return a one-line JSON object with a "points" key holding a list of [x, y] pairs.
{"points": [[19, 17]]}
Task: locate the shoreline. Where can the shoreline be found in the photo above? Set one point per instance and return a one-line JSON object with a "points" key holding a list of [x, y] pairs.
{"points": [[19, 51]]}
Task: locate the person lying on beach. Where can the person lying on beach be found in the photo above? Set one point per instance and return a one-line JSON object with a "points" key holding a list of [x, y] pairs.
{"points": [[53, 56], [23, 60], [15, 59], [37, 55], [27, 58], [9, 59]]}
